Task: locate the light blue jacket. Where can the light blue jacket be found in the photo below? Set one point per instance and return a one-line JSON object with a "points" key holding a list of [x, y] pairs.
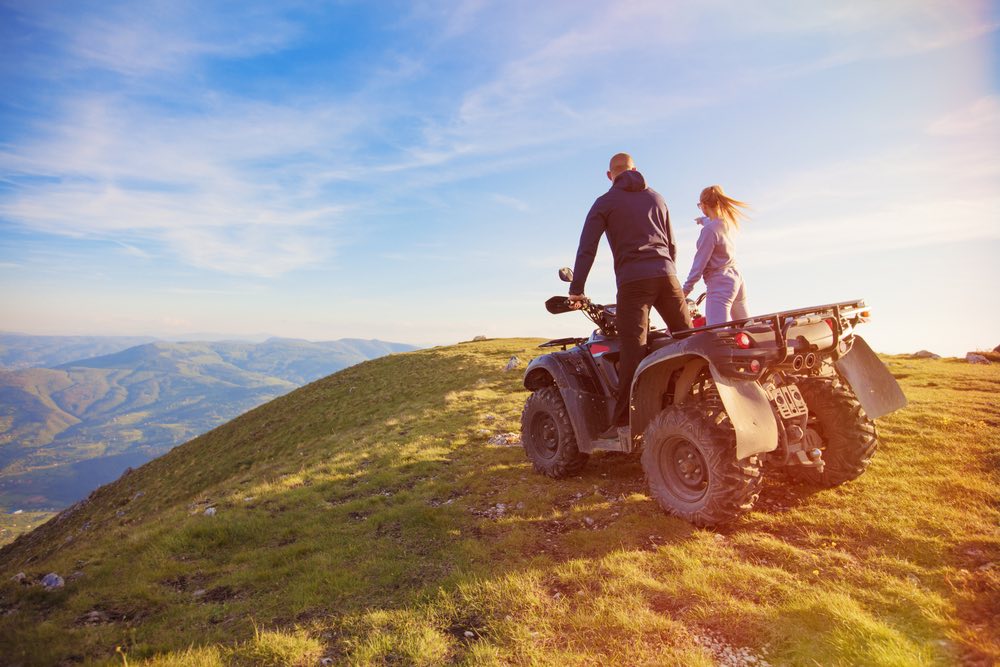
{"points": [[715, 252]]}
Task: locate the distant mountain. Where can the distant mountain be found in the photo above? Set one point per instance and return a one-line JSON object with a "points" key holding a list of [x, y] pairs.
{"points": [[64, 430], [27, 351]]}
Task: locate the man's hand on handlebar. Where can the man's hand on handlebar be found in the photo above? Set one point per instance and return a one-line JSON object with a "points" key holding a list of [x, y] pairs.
{"points": [[576, 301]]}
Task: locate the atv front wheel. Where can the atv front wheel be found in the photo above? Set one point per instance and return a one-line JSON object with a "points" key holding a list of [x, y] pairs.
{"points": [[845, 434], [547, 435], [689, 458]]}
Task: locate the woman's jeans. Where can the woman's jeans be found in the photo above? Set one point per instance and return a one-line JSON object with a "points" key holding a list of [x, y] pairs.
{"points": [[727, 297]]}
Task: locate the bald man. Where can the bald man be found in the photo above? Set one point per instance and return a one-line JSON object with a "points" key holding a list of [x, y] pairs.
{"points": [[637, 224]]}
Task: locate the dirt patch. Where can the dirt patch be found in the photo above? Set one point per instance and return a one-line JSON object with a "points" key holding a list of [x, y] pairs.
{"points": [[467, 628], [221, 594], [390, 529], [669, 605], [556, 527], [186, 583], [99, 616], [780, 494]]}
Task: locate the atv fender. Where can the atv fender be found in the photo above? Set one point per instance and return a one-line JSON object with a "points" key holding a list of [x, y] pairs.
{"points": [[589, 410], [746, 403], [873, 384]]}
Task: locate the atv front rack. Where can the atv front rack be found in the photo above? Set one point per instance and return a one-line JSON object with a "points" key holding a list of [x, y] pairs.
{"points": [[564, 342]]}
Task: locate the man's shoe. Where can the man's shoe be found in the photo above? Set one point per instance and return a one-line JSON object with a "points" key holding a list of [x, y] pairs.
{"points": [[609, 433], [614, 433]]}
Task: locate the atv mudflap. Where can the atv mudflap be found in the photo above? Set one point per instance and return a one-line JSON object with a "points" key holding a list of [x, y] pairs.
{"points": [[750, 413], [873, 384]]}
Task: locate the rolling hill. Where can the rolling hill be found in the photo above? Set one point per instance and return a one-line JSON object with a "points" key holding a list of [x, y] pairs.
{"points": [[29, 351], [366, 519], [65, 430]]}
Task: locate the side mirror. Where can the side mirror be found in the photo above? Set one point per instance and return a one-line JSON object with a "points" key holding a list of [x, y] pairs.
{"points": [[566, 274]]}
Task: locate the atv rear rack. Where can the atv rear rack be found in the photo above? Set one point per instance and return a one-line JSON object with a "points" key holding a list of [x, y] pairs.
{"points": [[773, 329]]}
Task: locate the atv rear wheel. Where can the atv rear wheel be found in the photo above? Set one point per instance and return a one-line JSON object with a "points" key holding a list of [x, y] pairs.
{"points": [[689, 457], [847, 437], [547, 435]]}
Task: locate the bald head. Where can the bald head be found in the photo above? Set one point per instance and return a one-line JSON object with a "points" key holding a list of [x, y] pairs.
{"points": [[620, 162]]}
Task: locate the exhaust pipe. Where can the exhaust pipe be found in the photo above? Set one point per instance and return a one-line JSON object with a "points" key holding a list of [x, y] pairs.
{"points": [[810, 360], [797, 362]]}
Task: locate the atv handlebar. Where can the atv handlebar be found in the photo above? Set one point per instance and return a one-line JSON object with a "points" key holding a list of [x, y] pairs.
{"points": [[601, 315]]}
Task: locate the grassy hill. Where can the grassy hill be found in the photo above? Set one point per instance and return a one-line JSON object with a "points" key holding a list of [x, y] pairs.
{"points": [[365, 518], [65, 430]]}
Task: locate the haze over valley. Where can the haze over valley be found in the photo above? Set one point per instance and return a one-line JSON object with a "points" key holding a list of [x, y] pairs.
{"points": [[70, 426]]}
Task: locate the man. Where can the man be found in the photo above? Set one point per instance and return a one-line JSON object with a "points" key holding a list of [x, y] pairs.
{"points": [[637, 224]]}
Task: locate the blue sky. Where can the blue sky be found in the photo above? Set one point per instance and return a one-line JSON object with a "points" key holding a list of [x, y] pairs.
{"points": [[417, 171]]}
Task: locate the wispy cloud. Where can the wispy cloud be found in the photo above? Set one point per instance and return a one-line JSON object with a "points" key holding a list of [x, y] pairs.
{"points": [[511, 202], [237, 185], [231, 189], [981, 121], [606, 69], [192, 291], [930, 193], [159, 36], [133, 251]]}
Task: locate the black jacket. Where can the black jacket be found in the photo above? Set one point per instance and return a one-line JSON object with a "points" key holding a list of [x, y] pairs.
{"points": [[637, 223]]}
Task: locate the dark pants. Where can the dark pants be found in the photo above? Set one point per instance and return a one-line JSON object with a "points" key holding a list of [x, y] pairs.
{"points": [[634, 301]]}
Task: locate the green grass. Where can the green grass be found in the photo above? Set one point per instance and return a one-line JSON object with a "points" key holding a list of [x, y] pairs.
{"points": [[13, 525], [364, 518]]}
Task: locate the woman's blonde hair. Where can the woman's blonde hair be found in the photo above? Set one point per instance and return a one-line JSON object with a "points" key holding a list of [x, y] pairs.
{"points": [[727, 209]]}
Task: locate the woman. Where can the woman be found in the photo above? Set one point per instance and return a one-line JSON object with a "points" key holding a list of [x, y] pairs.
{"points": [[715, 260]]}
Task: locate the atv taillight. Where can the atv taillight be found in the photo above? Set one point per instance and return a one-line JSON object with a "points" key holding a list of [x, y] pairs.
{"points": [[599, 349], [754, 366], [829, 323], [743, 340]]}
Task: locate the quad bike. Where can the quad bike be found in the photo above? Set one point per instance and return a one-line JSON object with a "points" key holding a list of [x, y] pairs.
{"points": [[714, 408]]}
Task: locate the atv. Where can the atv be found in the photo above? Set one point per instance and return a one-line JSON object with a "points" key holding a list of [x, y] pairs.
{"points": [[715, 408]]}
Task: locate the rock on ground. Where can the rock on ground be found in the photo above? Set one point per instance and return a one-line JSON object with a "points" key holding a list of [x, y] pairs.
{"points": [[505, 440], [974, 358], [726, 655]]}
